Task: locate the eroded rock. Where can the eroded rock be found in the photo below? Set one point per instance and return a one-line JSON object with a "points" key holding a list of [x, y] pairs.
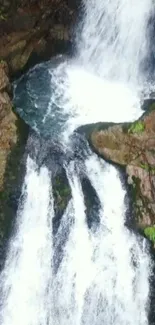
{"points": [[8, 135], [34, 27], [133, 145], [13, 136]]}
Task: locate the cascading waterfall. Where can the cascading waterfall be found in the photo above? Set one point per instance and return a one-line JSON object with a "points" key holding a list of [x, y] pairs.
{"points": [[98, 281], [121, 288], [103, 273], [114, 38], [26, 278]]}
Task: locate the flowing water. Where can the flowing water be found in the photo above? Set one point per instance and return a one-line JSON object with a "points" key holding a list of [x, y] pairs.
{"points": [[103, 274]]}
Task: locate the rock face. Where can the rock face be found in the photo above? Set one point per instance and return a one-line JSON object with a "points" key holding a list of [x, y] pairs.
{"points": [[34, 27], [8, 135], [12, 141], [133, 145]]}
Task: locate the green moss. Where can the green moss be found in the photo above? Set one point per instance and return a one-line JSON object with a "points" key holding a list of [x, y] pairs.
{"points": [[152, 107], [137, 127], [148, 168], [145, 166], [150, 233], [2, 15]]}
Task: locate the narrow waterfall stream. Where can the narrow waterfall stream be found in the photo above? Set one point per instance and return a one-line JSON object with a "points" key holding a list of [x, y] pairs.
{"points": [[103, 269], [27, 276]]}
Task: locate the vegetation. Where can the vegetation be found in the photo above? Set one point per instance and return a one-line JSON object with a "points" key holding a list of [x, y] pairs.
{"points": [[145, 166], [137, 127], [2, 61], [2, 15], [148, 168], [150, 233]]}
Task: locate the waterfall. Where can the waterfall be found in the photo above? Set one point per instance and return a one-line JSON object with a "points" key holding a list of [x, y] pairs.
{"points": [[121, 283], [26, 278], [114, 38], [102, 273], [103, 277]]}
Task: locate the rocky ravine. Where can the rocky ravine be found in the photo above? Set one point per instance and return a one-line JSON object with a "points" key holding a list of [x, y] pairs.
{"points": [[133, 145]]}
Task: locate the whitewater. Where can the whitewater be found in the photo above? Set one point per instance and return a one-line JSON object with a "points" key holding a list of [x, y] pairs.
{"points": [[104, 271]]}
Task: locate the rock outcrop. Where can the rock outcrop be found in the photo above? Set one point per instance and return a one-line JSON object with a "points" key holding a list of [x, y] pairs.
{"points": [[132, 145], [34, 28], [8, 134], [13, 136]]}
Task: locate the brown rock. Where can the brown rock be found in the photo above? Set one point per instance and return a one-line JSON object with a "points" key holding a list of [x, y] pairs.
{"points": [[133, 145], [4, 81], [29, 22], [7, 122]]}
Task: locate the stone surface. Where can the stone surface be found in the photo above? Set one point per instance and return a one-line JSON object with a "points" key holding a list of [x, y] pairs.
{"points": [[133, 145], [34, 27], [8, 136], [13, 135]]}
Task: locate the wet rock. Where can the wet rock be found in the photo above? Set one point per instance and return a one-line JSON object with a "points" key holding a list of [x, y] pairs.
{"points": [[34, 27], [7, 121], [132, 145], [4, 80], [12, 140], [62, 196]]}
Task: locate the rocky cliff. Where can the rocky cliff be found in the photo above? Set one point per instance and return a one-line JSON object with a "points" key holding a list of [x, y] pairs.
{"points": [[34, 29], [132, 145]]}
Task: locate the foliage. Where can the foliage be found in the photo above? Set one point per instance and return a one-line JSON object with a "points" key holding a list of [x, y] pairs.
{"points": [[145, 166], [150, 233], [148, 168], [137, 127]]}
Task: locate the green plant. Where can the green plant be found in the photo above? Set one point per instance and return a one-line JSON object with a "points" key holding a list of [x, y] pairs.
{"points": [[2, 61], [150, 233], [3, 15], [137, 127], [145, 166], [148, 168]]}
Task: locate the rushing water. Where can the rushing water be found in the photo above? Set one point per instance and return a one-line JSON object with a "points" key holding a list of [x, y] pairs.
{"points": [[102, 275]]}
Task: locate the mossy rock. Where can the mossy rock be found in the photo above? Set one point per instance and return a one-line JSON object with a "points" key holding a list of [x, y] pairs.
{"points": [[137, 127], [150, 233], [62, 195], [13, 178], [148, 168]]}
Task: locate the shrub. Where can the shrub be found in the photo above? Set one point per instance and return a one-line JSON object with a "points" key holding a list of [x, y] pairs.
{"points": [[137, 127]]}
